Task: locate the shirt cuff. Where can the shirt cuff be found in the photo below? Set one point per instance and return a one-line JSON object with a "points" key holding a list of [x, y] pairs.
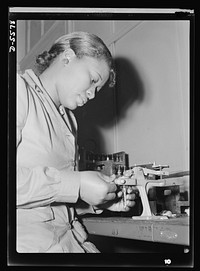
{"points": [[83, 208], [69, 186]]}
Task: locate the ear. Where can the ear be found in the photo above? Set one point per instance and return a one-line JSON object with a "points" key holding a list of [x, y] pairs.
{"points": [[68, 55]]}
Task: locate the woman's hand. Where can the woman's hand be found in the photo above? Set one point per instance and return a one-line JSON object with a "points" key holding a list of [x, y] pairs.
{"points": [[96, 188], [117, 205]]}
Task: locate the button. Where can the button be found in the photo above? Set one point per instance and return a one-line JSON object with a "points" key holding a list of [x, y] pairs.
{"points": [[62, 110], [38, 89]]}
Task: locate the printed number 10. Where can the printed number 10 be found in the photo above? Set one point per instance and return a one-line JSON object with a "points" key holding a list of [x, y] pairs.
{"points": [[167, 261]]}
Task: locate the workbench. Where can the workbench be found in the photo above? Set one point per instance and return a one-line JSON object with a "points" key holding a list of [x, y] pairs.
{"points": [[172, 230]]}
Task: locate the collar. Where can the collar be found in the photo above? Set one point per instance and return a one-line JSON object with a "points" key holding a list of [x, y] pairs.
{"points": [[33, 80], [35, 83]]}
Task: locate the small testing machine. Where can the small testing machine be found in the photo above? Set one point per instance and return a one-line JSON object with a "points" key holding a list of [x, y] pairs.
{"points": [[162, 210]]}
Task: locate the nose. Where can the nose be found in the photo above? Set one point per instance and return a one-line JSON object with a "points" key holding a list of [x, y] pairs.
{"points": [[90, 93]]}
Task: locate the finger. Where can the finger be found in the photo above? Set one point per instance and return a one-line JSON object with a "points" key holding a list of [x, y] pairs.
{"points": [[132, 190], [126, 208], [129, 190], [136, 192], [108, 179], [119, 194], [130, 203], [112, 187], [112, 177], [130, 196], [119, 181], [110, 196]]}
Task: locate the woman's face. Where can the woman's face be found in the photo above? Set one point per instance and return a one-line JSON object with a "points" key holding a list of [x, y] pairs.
{"points": [[79, 80]]}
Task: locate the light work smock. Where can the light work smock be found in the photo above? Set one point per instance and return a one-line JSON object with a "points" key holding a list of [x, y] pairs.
{"points": [[48, 182]]}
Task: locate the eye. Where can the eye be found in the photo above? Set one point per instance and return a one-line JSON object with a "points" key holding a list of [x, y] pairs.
{"points": [[94, 81]]}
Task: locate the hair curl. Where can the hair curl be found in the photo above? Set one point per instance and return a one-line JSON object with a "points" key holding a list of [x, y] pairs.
{"points": [[83, 44], [44, 60]]}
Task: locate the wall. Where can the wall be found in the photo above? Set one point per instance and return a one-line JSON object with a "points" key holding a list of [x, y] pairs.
{"points": [[147, 114], [155, 125], [152, 92], [21, 40], [38, 38]]}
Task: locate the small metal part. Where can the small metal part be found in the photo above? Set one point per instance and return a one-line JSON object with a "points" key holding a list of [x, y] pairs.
{"points": [[124, 196], [159, 167]]}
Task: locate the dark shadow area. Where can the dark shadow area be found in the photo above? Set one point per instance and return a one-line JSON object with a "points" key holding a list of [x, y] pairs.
{"points": [[109, 105], [129, 87], [122, 245]]}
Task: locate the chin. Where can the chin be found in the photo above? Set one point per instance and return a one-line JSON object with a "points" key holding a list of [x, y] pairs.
{"points": [[71, 106]]}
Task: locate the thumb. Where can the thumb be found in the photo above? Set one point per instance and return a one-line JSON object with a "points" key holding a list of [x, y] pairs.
{"points": [[107, 178], [112, 177]]}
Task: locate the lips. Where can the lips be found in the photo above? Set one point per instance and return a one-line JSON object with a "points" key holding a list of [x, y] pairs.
{"points": [[81, 100], [84, 100]]}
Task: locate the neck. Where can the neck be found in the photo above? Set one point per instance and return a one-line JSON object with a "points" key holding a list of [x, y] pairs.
{"points": [[48, 83]]}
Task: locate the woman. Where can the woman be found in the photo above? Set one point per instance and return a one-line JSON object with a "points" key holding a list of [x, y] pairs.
{"points": [[51, 192]]}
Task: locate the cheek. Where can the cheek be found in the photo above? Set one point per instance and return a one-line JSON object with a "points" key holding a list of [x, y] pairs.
{"points": [[73, 84], [77, 85], [80, 79], [68, 96], [82, 84]]}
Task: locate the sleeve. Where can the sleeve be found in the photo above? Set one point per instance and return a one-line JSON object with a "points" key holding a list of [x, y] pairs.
{"points": [[83, 208], [40, 185], [22, 106]]}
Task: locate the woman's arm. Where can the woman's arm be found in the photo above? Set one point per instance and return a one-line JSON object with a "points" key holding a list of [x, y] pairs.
{"points": [[40, 186]]}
